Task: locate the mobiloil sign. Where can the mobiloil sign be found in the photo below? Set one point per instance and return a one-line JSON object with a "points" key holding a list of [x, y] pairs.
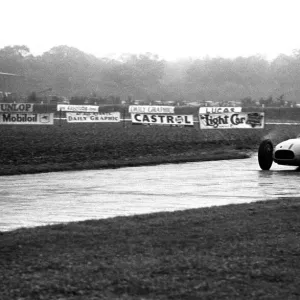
{"points": [[26, 119]]}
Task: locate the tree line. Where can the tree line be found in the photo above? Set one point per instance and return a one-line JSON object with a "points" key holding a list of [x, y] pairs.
{"points": [[69, 72]]}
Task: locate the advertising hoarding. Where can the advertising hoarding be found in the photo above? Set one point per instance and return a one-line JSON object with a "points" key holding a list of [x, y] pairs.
{"points": [[151, 109], [218, 110], [16, 107], [93, 117], [232, 120], [78, 108], [171, 120], [26, 119]]}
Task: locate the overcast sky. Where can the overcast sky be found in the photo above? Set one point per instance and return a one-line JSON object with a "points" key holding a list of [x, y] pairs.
{"points": [[170, 28]]}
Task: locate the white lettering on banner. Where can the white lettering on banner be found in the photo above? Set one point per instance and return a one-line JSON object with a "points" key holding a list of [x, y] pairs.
{"points": [[232, 120], [151, 109], [79, 108], [93, 117], [25, 119], [219, 110], [175, 120], [16, 107]]}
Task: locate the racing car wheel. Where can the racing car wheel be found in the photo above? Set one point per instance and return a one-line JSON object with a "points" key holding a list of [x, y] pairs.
{"points": [[265, 154]]}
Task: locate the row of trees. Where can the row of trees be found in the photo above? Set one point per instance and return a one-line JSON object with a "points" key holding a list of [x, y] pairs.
{"points": [[71, 72]]}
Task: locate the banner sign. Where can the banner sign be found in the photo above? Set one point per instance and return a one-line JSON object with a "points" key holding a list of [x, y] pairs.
{"points": [[79, 108], [26, 119], [16, 107], [232, 120], [93, 117], [149, 109], [219, 110], [172, 120]]}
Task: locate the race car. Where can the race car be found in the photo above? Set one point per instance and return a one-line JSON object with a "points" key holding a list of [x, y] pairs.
{"points": [[285, 153]]}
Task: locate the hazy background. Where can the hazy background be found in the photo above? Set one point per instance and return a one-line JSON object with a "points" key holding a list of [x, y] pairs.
{"points": [[194, 50]]}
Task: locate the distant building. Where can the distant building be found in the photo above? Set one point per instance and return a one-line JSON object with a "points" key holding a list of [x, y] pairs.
{"points": [[8, 86]]}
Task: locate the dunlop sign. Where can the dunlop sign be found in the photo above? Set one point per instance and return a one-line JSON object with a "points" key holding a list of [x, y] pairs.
{"points": [[93, 117], [16, 107], [78, 108], [172, 120], [149, 109], [232, 120], [26, 119]]}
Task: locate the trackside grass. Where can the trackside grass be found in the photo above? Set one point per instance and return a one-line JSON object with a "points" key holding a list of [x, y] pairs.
{"points": [[31, 149], [245, 251]]}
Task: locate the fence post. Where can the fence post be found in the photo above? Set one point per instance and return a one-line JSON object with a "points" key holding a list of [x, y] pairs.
{"points": [[124, 112], [60, 118]]}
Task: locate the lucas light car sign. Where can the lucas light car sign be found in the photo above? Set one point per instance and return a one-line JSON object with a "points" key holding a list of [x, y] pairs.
{"points": [[218, 110], [232, 120]]}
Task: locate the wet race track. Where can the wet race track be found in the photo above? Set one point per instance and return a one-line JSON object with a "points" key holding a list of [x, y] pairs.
{"points": [[33, 200]]}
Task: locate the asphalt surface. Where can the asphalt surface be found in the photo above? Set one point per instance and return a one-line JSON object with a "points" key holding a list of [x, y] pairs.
{"points": [[39, 199]]}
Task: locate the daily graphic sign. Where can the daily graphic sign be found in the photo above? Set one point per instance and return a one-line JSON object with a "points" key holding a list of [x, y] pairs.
{"points": [[78, 108], [232, 120], [16, 107], [219, 110], [171, 120], [93, 117], [26, 119], [151, 109]]}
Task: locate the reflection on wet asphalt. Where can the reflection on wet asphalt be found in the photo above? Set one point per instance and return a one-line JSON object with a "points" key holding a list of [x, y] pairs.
{"points": [[32, 200]]}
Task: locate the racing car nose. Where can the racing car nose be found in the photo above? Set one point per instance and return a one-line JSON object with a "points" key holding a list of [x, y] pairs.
{"points": [[284, 154]]}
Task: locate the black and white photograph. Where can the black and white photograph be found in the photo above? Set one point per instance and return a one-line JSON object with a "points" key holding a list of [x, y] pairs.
{"points": [[149, 150]]}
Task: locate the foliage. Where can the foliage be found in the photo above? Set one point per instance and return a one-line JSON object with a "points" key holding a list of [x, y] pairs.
{"points": [[71, 72]]}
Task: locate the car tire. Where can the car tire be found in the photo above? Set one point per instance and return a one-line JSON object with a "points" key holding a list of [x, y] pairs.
{"points": [[265, 154]]}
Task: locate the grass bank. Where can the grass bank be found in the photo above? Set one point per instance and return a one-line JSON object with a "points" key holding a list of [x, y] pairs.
{"points": [[34, 149], [245, 251], [147, 159]]}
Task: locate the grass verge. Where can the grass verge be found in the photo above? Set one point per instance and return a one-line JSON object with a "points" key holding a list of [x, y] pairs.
{"points": [[34, 149], [223, 153], [245, 251]]}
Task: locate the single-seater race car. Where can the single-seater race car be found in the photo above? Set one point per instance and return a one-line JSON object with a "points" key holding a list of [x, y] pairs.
{"points": [[285, 153]]}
